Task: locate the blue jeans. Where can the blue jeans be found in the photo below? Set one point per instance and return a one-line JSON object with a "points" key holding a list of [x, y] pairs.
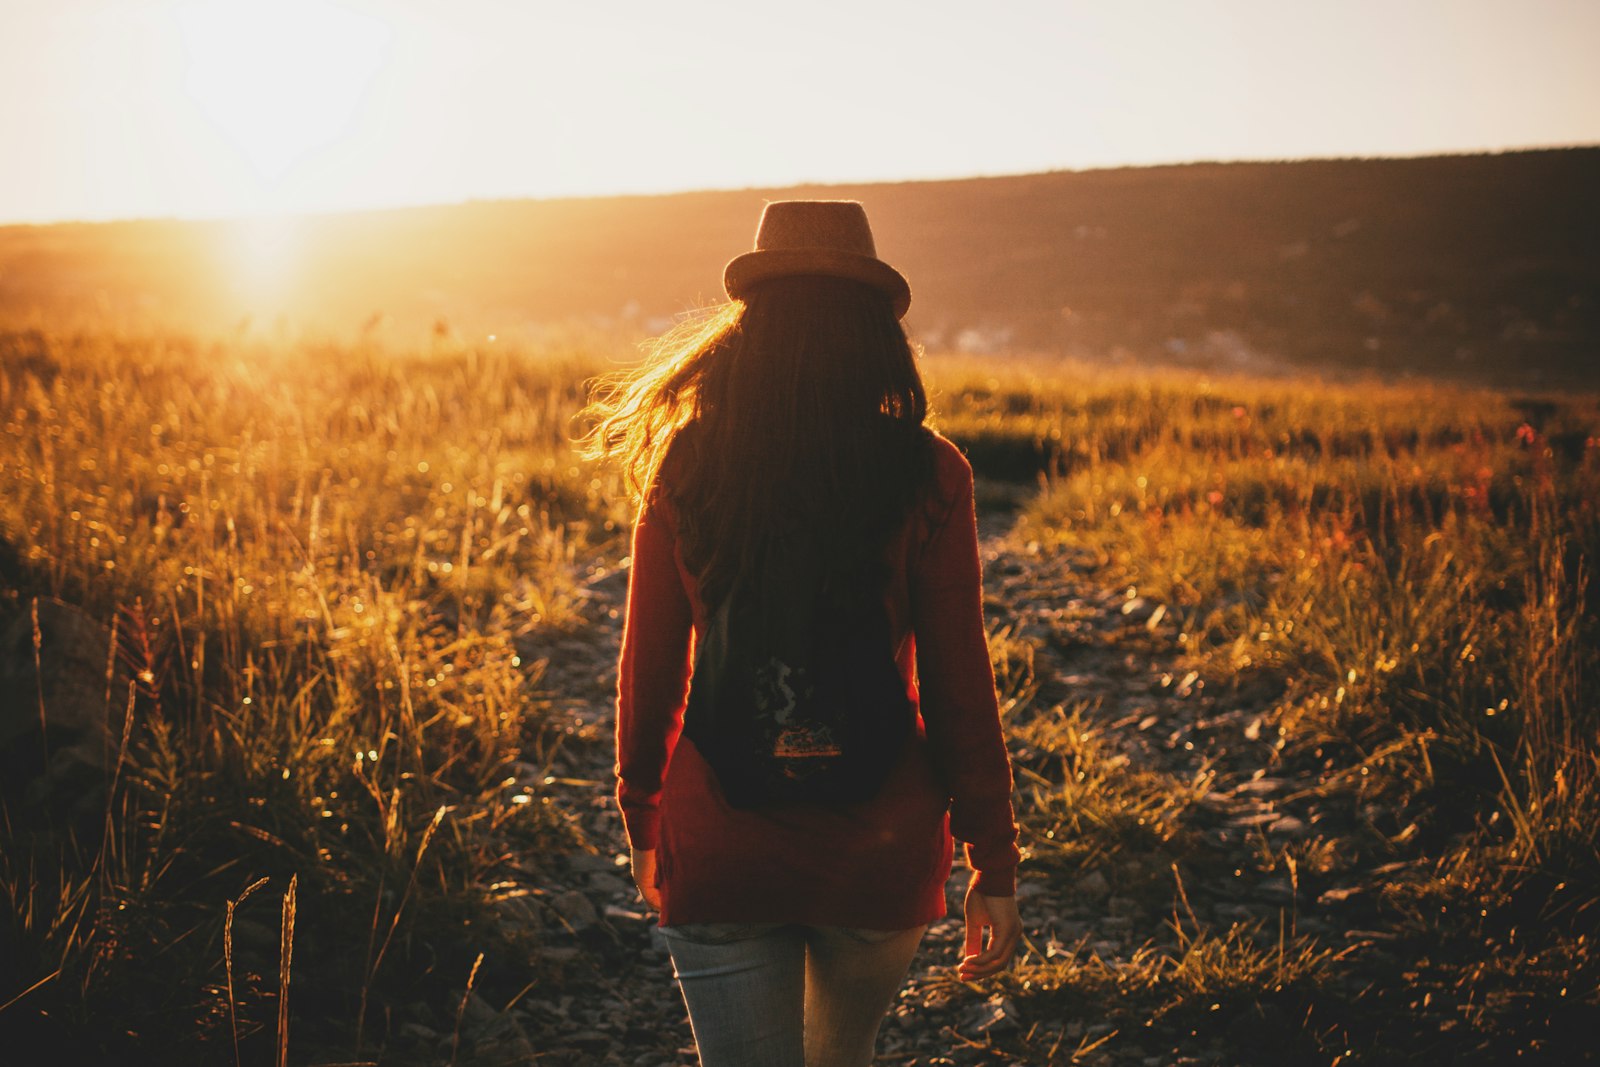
{"points": [[774, 995]]}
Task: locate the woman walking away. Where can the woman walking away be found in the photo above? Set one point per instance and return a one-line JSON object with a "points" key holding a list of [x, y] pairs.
{"points": [[806, 713]]}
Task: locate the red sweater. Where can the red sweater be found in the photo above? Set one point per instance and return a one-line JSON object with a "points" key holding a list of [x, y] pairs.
{"points": [[882, 863]]}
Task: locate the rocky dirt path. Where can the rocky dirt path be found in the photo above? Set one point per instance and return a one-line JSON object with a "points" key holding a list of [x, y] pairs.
{"points": [[606, 994]]}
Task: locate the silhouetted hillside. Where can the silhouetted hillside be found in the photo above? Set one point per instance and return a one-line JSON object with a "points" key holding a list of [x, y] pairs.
{"points": [[1477, 266]]}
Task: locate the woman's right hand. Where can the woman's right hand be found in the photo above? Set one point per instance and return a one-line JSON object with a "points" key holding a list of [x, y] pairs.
{"points": [[644, 875], [1000, 917]]}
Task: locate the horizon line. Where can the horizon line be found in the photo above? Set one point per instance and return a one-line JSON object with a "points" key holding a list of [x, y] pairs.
{"points": [[624, 194]]}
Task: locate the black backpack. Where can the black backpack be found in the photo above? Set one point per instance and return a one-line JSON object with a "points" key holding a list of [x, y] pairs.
{"points": [[796, 696]]}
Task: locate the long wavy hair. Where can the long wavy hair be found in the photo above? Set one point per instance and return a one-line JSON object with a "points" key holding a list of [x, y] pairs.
{"points": [[796, 412]]}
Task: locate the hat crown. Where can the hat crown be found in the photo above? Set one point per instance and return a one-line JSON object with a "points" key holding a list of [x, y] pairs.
{"points": [[827, 237], [840, 225]]}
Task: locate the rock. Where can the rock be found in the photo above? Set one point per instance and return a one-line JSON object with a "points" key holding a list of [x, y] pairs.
{"points": [[1092, 886], [527, 774], [518, 912], [1288, 826], [1275, 891], [617, 913], [1254, 819], [1234, 913], [1139, 608], [997, 1015], [503, 1044], [1340, 895], [68, 770], [1261, 787], [476, 1013], [1124, 907], [593, 863], [588, 1040], [418, 1033], [574, 909], [1031, 889], [637, 1036], [610, 885]]}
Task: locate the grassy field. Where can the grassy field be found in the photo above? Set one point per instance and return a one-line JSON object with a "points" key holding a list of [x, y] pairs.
{"points": [[1398, 585], [311, 567], [316, 587]]}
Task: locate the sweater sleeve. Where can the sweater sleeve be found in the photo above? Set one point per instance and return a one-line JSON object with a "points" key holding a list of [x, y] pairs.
{"points": [[956, 681], [653, 672]]}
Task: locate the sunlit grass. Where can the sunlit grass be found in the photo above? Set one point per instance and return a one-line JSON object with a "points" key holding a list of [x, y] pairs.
{"points": [[1085, 804], [311, 567], [1411, 569], [313, 574]]}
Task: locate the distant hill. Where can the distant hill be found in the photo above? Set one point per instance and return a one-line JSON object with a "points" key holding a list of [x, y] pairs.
{"points": [[1484, 267]]}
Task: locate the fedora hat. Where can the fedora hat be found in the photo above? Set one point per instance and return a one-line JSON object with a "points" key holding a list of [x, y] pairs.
{"points": [[815, 237]]}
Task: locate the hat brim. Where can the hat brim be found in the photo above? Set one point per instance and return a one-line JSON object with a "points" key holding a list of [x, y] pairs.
{"points": [[753, 268]]}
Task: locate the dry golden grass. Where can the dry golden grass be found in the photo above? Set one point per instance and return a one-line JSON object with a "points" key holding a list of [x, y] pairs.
{"points": [[1411, 570], [315, 565]]}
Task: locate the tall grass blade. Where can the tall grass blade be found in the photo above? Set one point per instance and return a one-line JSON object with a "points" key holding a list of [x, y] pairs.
{"points": [[285, 959], [227, 957]]}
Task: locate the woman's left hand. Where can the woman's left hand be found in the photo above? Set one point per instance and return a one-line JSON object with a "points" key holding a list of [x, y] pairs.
{"points": [[644, 876]]}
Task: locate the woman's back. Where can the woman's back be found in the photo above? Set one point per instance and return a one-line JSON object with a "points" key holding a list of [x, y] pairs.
{"points": [[790, 423], [879, 863]]}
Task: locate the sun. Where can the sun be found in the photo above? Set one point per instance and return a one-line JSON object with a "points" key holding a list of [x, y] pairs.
{"points": [[279, 78]]}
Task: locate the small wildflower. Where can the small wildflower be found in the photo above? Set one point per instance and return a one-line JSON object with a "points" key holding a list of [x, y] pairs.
{"points": [[1526, 435]]}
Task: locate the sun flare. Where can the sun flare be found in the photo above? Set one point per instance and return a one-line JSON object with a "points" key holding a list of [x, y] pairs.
{"points": [[280, 79]]}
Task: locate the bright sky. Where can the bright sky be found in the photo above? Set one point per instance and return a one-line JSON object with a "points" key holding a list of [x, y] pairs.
{"points": [[116, 108]]}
